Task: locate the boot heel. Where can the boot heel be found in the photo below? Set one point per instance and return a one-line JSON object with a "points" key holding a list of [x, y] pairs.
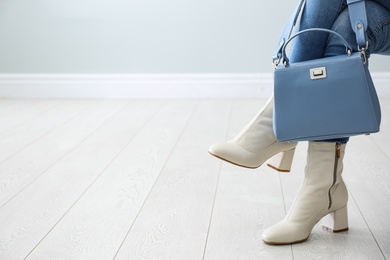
{"points": [[336, 221], [282, 161]]}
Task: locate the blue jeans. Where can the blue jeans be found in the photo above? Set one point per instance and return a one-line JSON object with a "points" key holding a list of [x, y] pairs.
{"points": [[333, 14]]}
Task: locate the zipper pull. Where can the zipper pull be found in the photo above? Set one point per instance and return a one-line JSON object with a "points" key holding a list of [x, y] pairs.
{"points": [[338, 151]]}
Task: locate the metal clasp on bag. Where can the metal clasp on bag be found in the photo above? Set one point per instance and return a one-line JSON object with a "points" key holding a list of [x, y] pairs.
{"points": [[363, 52], [318, 73]]}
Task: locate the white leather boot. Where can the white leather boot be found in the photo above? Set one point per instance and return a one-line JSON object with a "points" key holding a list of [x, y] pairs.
{"points": [[256, 143], [323, 193]]}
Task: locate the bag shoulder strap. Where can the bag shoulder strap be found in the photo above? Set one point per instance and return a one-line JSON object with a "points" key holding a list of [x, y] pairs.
{"points": [[358, 19], [287, 31]]}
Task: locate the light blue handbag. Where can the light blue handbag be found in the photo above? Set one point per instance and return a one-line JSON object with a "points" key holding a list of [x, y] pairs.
{"points": [[325, 98]]}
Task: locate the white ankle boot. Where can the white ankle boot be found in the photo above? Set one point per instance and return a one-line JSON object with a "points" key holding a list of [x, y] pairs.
{"points": [[256, 143], [323, 193]]}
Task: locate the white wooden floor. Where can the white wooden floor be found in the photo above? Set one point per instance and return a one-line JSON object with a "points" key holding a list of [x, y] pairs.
{"points": [[132, 179]]}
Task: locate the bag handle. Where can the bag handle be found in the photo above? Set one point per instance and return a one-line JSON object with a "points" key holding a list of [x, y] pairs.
{"points": [[358, 19], [348, 48]]}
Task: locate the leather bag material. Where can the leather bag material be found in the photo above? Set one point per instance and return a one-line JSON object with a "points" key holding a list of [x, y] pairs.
{"points": [[358, 16], [344, 103]]}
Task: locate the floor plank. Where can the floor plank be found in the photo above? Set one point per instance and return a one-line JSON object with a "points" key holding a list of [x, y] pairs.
{"points": [[19, 170], [132, 179], [95, 227], [382, 139], [174, 221], [23, 110], [56, 191], [7, 105], [31, 130], [368, 182]]}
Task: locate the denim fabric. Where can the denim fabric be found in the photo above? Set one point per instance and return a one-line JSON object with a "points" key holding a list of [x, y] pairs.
{"points": [[333, 14], [378, 31], [316, 14]]}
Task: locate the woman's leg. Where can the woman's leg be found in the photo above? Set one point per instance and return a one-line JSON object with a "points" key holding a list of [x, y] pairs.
{"points": [[327, 14], [378, 32], [323, 192], [256, 143], [316, 14]]}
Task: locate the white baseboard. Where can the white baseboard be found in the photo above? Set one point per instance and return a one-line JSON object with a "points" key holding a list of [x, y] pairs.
{"points": [[226, 85]]}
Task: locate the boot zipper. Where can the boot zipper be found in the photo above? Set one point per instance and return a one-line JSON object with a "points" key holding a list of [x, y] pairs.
{"points": [[336, 161]]}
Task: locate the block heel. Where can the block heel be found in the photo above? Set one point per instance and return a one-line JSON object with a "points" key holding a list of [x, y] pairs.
{"points": [[336, 221], [282, 161]]}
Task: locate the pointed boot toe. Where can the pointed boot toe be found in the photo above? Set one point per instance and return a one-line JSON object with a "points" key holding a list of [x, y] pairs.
{"points": [[235, 154]]}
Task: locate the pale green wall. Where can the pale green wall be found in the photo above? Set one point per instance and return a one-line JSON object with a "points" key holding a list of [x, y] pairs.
{"points": [[142, 36]]}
